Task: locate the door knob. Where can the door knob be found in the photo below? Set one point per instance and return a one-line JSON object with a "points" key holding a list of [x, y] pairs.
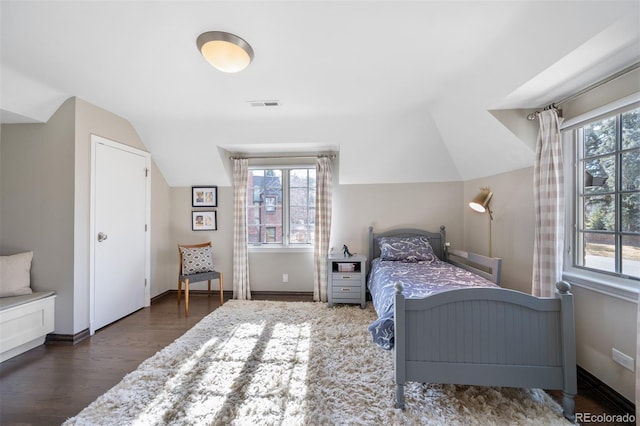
{"points": [[101, 237]]}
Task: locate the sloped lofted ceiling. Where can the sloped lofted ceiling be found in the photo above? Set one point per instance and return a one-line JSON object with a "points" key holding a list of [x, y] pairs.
{"points": [[403, 90]]}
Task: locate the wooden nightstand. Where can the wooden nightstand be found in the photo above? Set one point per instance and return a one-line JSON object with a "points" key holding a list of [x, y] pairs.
{"points": [[347, 279]]}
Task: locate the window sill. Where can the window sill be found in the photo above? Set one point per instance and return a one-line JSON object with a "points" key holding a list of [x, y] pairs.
{"points": [[279, 249], [620, 288]]}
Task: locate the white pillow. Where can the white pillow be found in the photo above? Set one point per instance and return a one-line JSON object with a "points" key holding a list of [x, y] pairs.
{"points": [[15, 274]]}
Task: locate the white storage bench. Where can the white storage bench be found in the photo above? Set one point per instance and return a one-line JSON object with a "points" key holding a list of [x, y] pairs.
{"points": [[25, 321]]}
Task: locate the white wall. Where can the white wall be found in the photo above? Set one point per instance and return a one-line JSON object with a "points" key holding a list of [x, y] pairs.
{"points": [[602, 323], [387, 206], [90, 119], [161, 254], [0, 189], [36, 187], [512, 227], [221, 240], [356, 207], [45, 188]]}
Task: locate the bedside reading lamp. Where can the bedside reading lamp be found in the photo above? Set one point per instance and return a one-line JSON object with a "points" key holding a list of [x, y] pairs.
{"points": [[481, 204]]}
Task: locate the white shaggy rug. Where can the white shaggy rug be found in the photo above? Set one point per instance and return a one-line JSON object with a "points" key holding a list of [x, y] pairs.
{"points": [[295, 363]]}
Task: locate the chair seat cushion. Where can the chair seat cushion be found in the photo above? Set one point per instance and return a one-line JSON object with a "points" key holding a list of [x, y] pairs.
{"points": [[201, 276], [196, 260]]}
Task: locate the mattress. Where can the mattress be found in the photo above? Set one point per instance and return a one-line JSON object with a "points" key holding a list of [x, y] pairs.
{"points": [[419, 280]]}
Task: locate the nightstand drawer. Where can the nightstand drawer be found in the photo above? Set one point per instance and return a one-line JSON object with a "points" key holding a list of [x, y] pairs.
{"points": [[352, 284], [346, 292], [347, 276]]}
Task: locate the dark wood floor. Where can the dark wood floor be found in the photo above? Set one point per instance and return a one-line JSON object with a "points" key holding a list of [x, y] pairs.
{"points": [[51, 383]]}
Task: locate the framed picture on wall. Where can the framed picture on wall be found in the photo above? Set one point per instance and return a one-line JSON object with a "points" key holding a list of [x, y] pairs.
{"points": [[204, 196], [205, 220]]}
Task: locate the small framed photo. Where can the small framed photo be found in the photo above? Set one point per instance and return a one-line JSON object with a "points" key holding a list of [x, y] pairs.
{"points": [[206, 220], [204, 196]]}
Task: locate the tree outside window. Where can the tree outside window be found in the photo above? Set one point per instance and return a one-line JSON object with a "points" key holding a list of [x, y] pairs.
{"points": [[608, 213]]}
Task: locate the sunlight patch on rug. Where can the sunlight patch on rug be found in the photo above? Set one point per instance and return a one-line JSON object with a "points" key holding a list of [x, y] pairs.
{"points": [[295, 363]]}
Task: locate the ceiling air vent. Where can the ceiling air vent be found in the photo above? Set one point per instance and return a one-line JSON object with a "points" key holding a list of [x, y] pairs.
{"points": [[272, 103]]}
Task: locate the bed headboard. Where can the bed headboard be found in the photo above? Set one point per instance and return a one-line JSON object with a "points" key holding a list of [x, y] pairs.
{"points": [[436, 239]]}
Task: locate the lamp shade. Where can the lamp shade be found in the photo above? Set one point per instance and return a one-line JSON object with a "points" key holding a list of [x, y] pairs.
{"points": [[225, 51], [481, 201]]}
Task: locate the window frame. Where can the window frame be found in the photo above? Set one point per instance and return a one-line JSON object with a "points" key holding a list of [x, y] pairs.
{"points": [[286, 246], [612, 284]]}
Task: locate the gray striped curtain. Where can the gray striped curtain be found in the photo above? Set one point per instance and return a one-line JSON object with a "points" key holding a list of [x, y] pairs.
{"points": [[241, 287], [322, 228], [548, 193]]}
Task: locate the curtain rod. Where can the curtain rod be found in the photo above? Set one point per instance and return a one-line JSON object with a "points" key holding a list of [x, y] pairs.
{"points": [[554, 105], [282, 156]]}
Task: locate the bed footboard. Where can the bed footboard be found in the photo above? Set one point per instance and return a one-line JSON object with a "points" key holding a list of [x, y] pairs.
{"points": [[487, 337]]}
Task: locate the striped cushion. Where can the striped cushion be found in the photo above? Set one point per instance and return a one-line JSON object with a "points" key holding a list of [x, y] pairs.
{"points": [[196, 260]]}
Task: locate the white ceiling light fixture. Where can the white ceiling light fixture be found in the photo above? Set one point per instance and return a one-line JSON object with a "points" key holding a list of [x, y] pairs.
{"points": [[225, 51]]}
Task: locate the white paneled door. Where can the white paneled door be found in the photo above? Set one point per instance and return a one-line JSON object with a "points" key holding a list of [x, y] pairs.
{"points": [[119, 231]]}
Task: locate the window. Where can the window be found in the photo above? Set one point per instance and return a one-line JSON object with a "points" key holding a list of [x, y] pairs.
{"points": [[607, 198], [281, 206]]}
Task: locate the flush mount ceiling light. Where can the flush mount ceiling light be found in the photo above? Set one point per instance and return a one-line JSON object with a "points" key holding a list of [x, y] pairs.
{"points": [[225, 51]]}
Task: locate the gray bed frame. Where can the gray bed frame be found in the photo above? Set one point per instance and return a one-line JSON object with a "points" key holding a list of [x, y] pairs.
{"points": [[482, 336]]}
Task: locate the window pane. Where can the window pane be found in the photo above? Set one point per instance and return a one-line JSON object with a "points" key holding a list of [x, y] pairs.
{"points": [[630, 208], [599, 213], [298, 216], [599, 252], [299, 178], [271, 204], [273, 183], [299, 224], [253, 223], [302, 183], [600, 137], [254, 233], [268, 205], [299, 197], [631, 129], [298, 219], [272, 218], [312, 178], [631, 255], [609, 199], [631, 170], [300, 235], [264, 206], [312, 215], [600, 174], [270, 234]]}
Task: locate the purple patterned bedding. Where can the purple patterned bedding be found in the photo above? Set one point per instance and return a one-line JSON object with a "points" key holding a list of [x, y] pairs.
{"points": [[420, 279]]}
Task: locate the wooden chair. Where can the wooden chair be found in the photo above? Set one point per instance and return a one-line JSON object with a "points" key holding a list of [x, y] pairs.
{"points": [[196, 276]]}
